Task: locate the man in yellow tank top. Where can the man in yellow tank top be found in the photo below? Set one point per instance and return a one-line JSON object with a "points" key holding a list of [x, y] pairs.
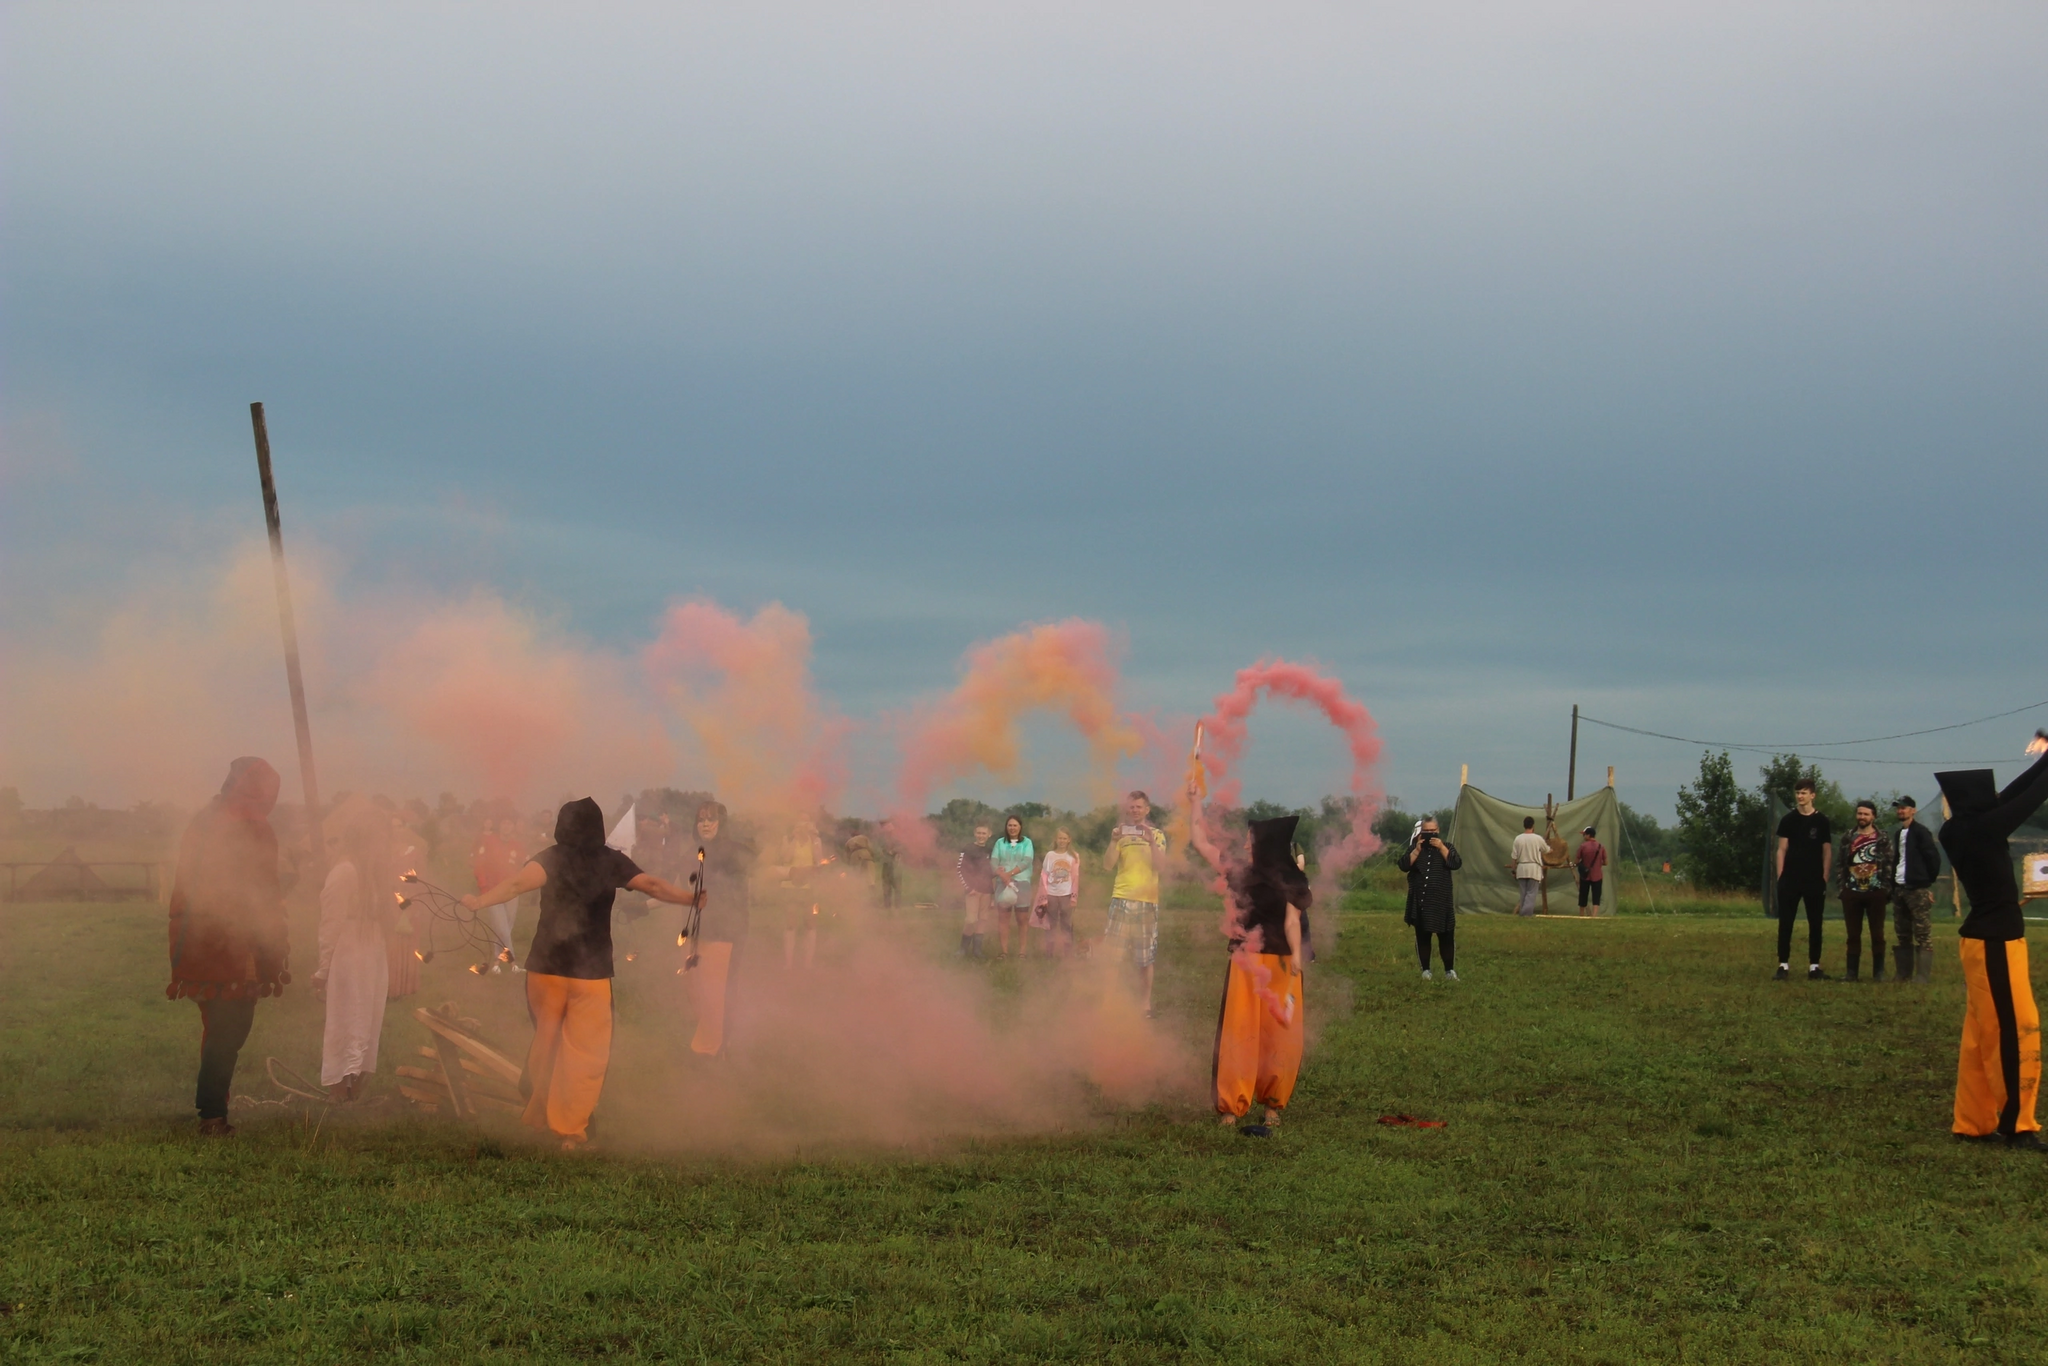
{"points": [[1135, 859]]}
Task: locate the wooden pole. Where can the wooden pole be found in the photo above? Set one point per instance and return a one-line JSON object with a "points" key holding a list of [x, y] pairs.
{"points": [[1464, 774], [294, 678], [1610, 775], [1571, 774]]}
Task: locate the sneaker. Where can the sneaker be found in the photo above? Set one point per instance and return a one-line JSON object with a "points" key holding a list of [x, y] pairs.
{"points": [[1449, 975], [1426, 975], [1784, 973], [1255, 1131], [2029, 1141], [1814, 974], [216, 1128], [497, 968]]}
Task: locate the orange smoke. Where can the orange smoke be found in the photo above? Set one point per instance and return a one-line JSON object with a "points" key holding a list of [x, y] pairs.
{"points": [[1063, 666], [744, 690]]}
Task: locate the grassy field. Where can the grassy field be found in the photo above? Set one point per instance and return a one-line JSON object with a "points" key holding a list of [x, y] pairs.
{"points": [[1653, 1153]]}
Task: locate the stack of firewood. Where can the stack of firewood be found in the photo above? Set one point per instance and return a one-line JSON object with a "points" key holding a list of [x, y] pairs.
{"points": [[468, 1075]]}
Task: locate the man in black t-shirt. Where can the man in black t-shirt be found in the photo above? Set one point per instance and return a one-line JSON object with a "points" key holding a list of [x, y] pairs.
{"points": [[1806, 853]]}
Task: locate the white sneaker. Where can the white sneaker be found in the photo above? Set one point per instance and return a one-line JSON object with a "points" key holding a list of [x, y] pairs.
{"points": [[1425, 975], [1450, 976], [497, 968]]}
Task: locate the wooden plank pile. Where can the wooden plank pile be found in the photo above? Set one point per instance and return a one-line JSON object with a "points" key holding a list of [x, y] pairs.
{"points": [[468, 1076]]}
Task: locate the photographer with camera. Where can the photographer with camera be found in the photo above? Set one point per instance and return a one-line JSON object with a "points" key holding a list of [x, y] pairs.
{"points": [[1429, 862]]}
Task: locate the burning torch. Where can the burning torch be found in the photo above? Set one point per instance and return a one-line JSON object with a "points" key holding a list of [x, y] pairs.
{"points": [[689, 935]]}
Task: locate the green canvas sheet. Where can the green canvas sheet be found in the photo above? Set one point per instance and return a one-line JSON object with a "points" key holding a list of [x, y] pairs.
{"points": [[1484, 830]]}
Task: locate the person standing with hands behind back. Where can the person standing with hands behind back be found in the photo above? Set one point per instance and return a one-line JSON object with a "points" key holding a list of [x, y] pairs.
{"points": [[1528, 855], [1429, 863], [1806, 853]]}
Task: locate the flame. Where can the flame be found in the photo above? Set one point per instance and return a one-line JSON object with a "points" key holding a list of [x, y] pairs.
{"points": [[419, 955], [680, 938], [409, 875], [477, 968], [505, 955], [2039, 744]]}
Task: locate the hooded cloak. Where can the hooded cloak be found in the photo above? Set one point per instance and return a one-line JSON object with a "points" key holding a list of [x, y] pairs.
{"points": [[1980, 820], [574, 936], [1265, 888], [227, 929]]}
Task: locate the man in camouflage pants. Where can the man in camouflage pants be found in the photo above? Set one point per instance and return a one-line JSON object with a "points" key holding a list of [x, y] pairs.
{"points": [[1918, 864]]}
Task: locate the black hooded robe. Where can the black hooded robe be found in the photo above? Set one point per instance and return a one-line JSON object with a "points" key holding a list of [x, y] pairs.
{"points": [[1998, 1072]]}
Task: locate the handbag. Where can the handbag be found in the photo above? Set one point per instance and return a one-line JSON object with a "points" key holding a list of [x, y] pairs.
{"points": [[1006, 895]]}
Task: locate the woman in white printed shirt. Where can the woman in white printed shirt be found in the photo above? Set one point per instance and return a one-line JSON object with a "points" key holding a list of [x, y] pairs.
{"points": [[1059, 888]]}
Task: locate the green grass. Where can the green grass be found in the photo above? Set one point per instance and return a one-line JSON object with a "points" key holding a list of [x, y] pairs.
{"points": [[1653, 1154]]}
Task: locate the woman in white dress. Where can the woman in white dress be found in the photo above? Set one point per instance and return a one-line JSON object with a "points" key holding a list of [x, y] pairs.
{"points": [[354, 975]]}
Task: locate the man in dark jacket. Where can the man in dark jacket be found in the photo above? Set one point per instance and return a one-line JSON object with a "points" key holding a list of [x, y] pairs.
{"points": [[1917, 863], [1999, 1071], [1429, 863]]}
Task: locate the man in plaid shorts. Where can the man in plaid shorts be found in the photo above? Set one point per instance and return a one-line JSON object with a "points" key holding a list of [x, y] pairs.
{"points": [[1135, 859]]}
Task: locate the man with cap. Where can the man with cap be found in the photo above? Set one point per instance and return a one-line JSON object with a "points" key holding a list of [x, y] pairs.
{"points": [[1591, 860], [228, 940], [1918, 864], [1998, 1073]]}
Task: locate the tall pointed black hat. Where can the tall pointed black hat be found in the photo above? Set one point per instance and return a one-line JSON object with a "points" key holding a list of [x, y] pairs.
{"points": [[1969, 790]]}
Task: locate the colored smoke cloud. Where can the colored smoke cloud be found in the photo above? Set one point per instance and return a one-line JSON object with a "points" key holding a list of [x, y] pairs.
{"points": [[744, 691], [1066, 667], [1226, 733]]}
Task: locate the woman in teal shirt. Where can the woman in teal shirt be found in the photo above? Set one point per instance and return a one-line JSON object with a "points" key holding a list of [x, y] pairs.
{"points": [[1011, 860]]}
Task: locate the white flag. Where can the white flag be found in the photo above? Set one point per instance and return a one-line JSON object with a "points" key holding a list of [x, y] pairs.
{"points": [[624, 833]]}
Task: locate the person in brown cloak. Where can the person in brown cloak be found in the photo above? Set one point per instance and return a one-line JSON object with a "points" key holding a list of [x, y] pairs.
{"points": [[228, 939]]}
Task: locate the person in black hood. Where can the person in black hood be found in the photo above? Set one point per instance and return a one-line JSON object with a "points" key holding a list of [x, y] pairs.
{"points": [[1259, 1027], [1998, 1073], [569, 965]]}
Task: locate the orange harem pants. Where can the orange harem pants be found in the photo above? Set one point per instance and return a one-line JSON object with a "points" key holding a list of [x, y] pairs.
{"points": [[1999, 1072], [572, 1043], [1257, 1057], [708, 982]]}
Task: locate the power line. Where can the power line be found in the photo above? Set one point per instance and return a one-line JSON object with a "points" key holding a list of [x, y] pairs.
{"points": [[1828, 744]]}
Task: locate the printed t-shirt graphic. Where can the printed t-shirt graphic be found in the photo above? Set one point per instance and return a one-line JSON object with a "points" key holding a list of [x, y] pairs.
{"points": [[1059, 873], [1137, 874], [1864, 848]]}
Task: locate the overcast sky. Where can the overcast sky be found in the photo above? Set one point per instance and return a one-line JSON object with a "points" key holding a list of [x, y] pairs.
{"points": [[1683, 361]]}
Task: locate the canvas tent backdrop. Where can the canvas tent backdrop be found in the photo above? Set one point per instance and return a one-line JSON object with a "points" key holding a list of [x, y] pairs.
{"points": [[1484, 830]]}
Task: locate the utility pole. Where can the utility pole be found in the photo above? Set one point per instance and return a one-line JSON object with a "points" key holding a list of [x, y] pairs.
{"points": [[293, 677], [1571, 777]]}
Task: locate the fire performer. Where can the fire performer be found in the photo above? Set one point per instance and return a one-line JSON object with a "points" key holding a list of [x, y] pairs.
{"points": [[228, 939], [722, 931], [1259, 1029], [569, 965], [1998, 1073]]}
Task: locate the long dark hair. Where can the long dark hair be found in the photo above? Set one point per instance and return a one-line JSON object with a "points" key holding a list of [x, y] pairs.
{"points": [[1013, 816]]}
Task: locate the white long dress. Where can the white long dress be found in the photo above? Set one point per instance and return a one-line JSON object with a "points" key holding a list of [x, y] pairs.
{"points": [[358, 977]]}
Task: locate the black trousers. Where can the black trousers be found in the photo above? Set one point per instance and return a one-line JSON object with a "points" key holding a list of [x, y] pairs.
{"points": [[1444, 943], [1789, 897], [224, 1028], [1590, 888], [1856, 906]]}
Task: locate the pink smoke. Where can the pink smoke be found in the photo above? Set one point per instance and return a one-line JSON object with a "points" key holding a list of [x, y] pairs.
{"points": [[1226, 731], [744, 690], [1064, 666]]}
